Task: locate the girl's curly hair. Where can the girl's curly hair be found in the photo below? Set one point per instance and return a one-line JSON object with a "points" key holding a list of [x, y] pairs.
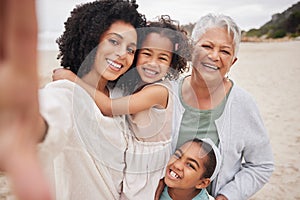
{"points": [[166, 27], [83, 30]]}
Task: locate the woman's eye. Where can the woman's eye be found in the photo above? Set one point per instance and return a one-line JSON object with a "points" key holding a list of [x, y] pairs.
{"points": [[131, 50], [226, 52], [113, 42], [206, 46]]}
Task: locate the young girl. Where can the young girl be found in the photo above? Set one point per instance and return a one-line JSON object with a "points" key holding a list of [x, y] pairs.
{"points": [[190, 170], [163, 54]]}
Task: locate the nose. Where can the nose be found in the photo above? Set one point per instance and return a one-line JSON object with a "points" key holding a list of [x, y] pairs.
{"points": [[121, 51], [153, 62], [214, 55], [178, 164]]}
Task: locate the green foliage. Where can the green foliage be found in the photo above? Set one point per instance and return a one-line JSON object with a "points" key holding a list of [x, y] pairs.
{"points": [[280, 33], [254, 33], [281, 25]]}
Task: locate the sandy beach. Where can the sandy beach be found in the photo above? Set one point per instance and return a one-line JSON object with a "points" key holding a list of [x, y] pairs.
{"points": [[270, 71]]}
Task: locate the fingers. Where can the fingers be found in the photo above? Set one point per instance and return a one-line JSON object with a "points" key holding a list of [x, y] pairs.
{"points": [[56, 74], [2, 27], [58, 69], [63, 73], [21, 36], [18, 42], [221, 197]]}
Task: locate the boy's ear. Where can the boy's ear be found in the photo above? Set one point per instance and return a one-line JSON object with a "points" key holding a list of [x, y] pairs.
{"points": [[203, 183]]}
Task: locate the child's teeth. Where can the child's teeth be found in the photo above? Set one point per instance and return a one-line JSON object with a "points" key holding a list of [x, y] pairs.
{"points": [[173, 174], [150, 72]]}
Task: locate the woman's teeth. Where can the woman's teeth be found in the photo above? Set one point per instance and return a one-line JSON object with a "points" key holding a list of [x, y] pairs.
{"points": [[110, 62], [211, 66]]}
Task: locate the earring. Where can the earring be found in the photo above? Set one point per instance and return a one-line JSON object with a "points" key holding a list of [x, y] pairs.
{"points": [[227, 76]]}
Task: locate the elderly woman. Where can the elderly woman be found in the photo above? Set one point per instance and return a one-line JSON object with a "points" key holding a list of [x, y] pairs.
{"points": [[212, 105]]}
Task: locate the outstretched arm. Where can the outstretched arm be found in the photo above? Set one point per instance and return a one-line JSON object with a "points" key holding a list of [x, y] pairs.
{"points": [[154, 95], [21, 125]]}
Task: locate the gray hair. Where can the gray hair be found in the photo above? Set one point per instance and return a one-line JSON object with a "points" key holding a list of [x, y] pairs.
{"points": [[217, 20]]}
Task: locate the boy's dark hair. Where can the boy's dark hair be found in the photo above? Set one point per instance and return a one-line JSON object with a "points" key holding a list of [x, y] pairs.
{"points": [[85, 26], [211, 162]]}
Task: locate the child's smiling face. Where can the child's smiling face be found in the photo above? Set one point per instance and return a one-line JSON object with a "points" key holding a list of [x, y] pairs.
{"points": [[186, 167], [154, 58]]}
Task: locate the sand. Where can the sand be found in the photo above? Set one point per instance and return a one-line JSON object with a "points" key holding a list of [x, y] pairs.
{"points": [[270, 71]]}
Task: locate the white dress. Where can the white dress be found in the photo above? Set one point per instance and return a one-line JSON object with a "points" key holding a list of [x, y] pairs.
{"points": [[149, 149]]}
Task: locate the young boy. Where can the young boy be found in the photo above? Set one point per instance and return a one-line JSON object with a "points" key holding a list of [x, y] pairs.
{"points": [[190, 170]]}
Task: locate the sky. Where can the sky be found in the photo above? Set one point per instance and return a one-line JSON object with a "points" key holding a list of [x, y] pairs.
{"points": [[247, 13]]}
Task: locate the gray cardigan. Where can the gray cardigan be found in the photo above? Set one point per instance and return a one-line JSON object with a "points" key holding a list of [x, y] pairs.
{"points": [[247, 160]]}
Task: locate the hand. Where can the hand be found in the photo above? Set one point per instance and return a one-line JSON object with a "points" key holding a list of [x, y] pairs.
{"points": [[19, 109], [61, 73], [221, 197]]}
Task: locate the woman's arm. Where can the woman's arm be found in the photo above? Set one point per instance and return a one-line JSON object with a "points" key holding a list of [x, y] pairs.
{"points": [[149, 96], [21, 125]]}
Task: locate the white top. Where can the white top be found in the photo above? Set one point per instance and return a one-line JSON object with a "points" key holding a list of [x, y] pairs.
{"points": [[90, 156], [83, 150]]}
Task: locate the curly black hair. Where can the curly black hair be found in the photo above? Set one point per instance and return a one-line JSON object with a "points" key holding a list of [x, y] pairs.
{"points": [[85, 26]]}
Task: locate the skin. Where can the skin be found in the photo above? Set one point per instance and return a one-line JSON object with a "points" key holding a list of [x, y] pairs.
{"points": [[155, 56], [184, 172], [20, 122], [116, 48], [215, 49]]}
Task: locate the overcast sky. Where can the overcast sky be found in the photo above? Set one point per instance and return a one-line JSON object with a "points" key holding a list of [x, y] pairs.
{"points": [[247, 13]]}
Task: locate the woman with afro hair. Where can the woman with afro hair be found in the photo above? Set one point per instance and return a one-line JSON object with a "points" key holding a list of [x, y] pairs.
{"points": [[161, 57], [81, 152]]}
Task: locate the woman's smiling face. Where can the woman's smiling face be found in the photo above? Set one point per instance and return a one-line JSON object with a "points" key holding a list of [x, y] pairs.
{"points": [[213, 54], [115, 51]]}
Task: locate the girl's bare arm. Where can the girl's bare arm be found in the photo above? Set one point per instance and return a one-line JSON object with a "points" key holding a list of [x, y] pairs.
{"points": [[153, 95]]}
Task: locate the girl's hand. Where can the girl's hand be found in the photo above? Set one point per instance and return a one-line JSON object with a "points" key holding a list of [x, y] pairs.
{"points": [[221, 197], [61, 73]]}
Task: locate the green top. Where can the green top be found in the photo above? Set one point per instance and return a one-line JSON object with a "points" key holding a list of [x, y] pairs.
{"points": [[197, 123], [201, 196]]}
